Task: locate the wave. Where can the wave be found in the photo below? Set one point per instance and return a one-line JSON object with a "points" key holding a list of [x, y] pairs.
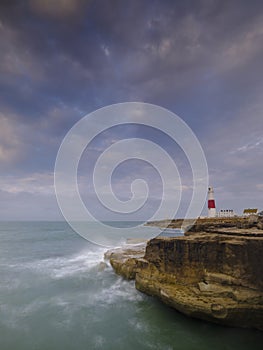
{"points": [[60, 267]]}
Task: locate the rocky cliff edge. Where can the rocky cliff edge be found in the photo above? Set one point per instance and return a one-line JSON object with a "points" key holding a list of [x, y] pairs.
{"points": [[214, 276]]}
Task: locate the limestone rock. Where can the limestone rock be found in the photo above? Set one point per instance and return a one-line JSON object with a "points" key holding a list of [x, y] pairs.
{"points": [[124, 260], [211, 276]]}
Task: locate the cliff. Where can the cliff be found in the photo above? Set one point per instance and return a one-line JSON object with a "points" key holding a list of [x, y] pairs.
{"points": [[210, 224], [215, 276]]}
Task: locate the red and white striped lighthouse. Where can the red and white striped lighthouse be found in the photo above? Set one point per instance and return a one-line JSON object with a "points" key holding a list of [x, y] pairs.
{"points": [[211, 203]]}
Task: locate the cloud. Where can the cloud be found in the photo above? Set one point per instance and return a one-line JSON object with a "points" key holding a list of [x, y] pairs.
{"points": [[25, 206], [58, 8], [260, 186], [11, 146], [63, 59], [246, 45], [251, 145], [35, 183], [16, 61], [106, 50]]}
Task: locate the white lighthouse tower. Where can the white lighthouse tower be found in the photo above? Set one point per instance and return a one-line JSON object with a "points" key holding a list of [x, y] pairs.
{"points": [[211, 203]]}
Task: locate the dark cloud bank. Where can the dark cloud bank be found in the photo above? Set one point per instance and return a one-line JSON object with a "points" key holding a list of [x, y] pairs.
{"points": [[63, 59]]}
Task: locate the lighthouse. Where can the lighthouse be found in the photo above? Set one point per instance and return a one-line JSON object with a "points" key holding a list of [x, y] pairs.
{"points": [[211, 203]]}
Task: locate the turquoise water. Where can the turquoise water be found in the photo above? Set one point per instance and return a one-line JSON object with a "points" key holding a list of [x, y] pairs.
{"points": [[53, 296]]}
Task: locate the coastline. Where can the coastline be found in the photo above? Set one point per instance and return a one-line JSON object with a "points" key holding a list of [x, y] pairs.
{"points": [[213, 272]]}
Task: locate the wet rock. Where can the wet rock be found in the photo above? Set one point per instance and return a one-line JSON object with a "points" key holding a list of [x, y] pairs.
{"points": [[124, 260], [211, 276]]}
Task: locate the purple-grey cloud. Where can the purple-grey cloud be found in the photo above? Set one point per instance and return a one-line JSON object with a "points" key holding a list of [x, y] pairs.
{"points": [[201, 59]]}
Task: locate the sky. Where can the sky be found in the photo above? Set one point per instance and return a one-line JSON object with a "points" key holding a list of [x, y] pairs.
{"points": [[63, 59]]}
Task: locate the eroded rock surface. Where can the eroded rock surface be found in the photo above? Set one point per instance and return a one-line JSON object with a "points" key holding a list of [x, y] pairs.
{"points": [[212, 276], [124, 260]]}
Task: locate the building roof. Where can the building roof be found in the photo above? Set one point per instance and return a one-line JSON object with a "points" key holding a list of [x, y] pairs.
{"points": [[250, 211]]}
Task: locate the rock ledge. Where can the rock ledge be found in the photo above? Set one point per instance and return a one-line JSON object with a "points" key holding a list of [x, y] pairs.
{"points": [[214, 276]]}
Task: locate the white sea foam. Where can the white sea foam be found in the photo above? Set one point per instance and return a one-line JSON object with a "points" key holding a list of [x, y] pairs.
{"points": [[138, 325], [99, 341], [119, 290], [60, 267], [83, 262]]}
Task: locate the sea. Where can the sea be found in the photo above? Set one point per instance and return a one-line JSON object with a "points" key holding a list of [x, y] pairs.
{"points": [[55, 293]]}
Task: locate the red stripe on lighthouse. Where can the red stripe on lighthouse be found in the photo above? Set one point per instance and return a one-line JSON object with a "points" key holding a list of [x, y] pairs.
{"points": [[211, 204]]}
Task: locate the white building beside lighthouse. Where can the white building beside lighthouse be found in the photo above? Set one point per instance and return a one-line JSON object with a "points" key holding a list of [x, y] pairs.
{"points": [[226, 213]]}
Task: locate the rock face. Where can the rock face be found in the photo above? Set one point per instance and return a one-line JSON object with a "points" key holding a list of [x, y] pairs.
{"points": [[212, 224], [124, 260], [212, 276]]}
